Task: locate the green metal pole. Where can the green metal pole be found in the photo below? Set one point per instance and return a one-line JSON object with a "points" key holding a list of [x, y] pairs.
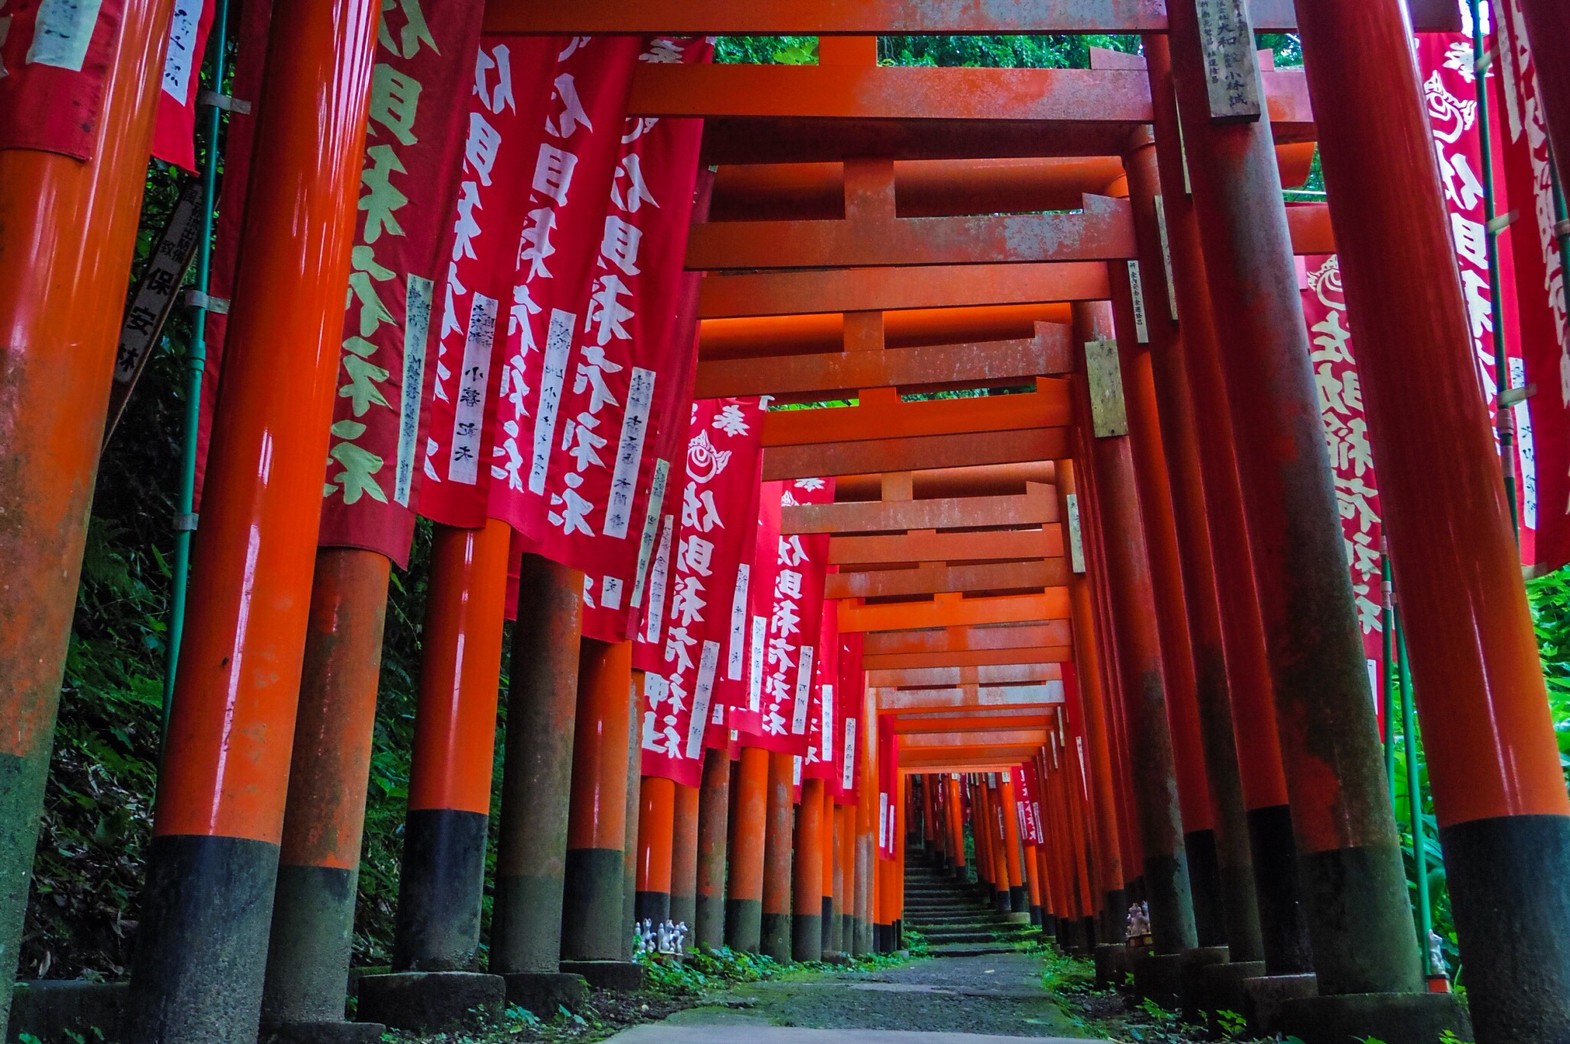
{"points": [[196, 363], [1481, 60], [1388, 670], [1414, 797]]}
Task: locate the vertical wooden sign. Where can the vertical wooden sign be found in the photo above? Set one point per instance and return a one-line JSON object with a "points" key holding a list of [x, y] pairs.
{"points": [[1231, 69]]}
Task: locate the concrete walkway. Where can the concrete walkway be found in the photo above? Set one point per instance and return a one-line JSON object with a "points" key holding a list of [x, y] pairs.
{"points": [[965, 1000]]}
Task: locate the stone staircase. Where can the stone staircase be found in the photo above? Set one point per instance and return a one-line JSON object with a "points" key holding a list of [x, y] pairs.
{"points": [[953, 917]]}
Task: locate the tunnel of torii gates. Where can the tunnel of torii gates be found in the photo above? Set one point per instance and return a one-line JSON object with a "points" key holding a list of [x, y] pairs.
{"points": [[1100, 622]]}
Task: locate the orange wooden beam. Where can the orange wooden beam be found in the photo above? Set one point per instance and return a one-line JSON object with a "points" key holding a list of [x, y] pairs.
{"points": [[985, 658], [915, 548], [990, 480], [886, 289], [882, 413], [912, 452], [1104, 231], [1020, 738], [1032, 509], [970, 697], [969, 724], [969, 639], [954, 611], [992, 577], [950, 677], [911, 328], [883, 17], [991, 363]]}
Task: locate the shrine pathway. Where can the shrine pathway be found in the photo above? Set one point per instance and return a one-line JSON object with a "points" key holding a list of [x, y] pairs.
{"points": [[961, 1000]]}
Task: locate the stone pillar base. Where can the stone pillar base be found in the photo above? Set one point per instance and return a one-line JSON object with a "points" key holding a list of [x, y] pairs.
{"points": [[1195, 962], [429, 1002], [1159, 977], [1114, 963], [615, 976], [543, 992], [1265, 996], [1395, 1018], [1221, 986], [323, 1033], [50, 1009]]}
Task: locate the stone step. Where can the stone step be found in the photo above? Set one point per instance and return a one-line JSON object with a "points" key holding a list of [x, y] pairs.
{"points": [[968, 950]]}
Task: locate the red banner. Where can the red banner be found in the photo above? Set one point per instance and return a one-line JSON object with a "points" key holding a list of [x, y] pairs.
{"points": [[174, 127], [888, 789], [821, 760], [1027, 804], [1535, 282], [424, 75], [851, 696], [698, 595], [54, 58], [511, 100], [1351, 459], [787, 597]]}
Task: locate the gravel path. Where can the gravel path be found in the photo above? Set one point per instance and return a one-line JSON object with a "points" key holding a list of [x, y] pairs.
{"points": [[996, 996]]}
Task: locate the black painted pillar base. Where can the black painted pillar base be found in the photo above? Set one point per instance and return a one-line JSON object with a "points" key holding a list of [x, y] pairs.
{"points": [[1283, 923], [1001, 901], [440, 891], [1087, 934], [1049, 926], [1360, 920], [592, 925], [310, 947], [1204, 881], [1165, 883], [652, 906], [830, 926], [882, 938], [1035, 916], [1018, 899], [684, 909], [806, 942], [1113, 927], [1512, 913], [777, 933], [744, 925], [201, 956]]}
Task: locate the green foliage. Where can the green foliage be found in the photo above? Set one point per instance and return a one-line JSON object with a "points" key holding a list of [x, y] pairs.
{"points": [[704, 970], [1232, 1023]]}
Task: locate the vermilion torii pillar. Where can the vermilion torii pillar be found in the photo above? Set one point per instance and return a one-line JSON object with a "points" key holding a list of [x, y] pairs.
{"points": [[684, 856], [1492, 755], [807, 875], [312, 936], [1354, 883], [779, 840], [1103, 790], [1151, 378], [593, 927], [656, 833], [748, 834], [708, 927], [67, 236], [1249, 687], [531, 845], [213, 865], [1161, 827], [1014, 856]]}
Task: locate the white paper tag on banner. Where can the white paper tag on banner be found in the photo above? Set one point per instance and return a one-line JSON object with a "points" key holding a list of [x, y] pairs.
{"points": [[848, 777], [737, 653], [707, 665], [798, 721]]}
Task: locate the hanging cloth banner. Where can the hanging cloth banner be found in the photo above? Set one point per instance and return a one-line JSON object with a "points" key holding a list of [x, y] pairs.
{"points": [[174, 124], [790, 605], [1025, 800], [821, 760], [602, 470], [54, 59], [512, 98], [1346, 433], [422, 81], [888, 778], [1534, 282], [694, 605], [746, 717], [851, 695]]}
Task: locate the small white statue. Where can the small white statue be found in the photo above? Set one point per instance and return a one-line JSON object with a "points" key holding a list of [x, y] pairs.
{"points": [[680, 936], [1437, 965], [1138, 920], [664, 934], [646, 937]]}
